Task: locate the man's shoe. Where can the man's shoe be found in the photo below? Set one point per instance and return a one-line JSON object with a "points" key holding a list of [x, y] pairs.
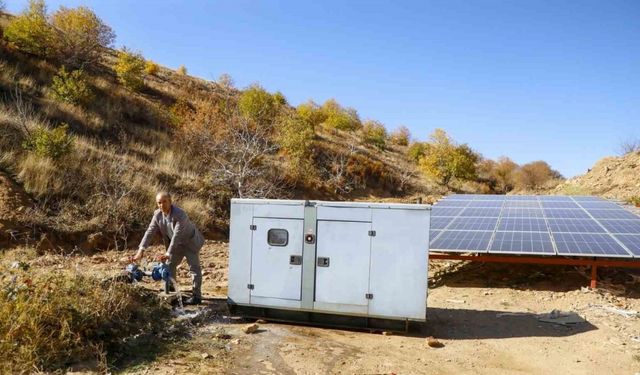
{"points": [[193, 301]]}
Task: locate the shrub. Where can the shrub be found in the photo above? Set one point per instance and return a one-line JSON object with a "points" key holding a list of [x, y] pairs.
{"points": [[416, 151], [400, 136], [129, 69], [295, 136], [80, 36], [259, 105], [151, 68], [312, 113], [535, 174], [635, 200], [374, 133], [52, 143], [225, 80], [49, 320], [182, 70], [30, 31], [71, 87]]}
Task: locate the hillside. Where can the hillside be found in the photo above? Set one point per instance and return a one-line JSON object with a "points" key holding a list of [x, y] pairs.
{"points": [[611, 177]]}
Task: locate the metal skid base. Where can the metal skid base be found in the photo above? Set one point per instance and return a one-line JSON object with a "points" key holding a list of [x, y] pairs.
{"points": [[323, 319]]}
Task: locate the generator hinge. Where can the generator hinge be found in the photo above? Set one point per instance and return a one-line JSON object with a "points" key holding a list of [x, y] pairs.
{"points": [[252, 227], [372, 233], [250, 286], [368, 296]]}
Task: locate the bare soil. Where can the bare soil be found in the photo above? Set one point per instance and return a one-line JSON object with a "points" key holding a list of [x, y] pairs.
{"points": [[486, 315]]}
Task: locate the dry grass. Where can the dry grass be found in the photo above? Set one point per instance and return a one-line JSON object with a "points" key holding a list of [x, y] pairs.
{"points": [[50, 319]]}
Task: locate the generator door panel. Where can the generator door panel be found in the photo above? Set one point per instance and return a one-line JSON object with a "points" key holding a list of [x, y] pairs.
{"points": [[276, 258], [342, 262]]}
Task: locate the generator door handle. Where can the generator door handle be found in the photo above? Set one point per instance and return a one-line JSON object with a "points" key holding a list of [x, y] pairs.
{"points": [[323, 261], [295, 260]]}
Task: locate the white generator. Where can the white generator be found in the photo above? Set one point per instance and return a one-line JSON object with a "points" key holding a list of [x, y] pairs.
{"points": [[337, 263]]}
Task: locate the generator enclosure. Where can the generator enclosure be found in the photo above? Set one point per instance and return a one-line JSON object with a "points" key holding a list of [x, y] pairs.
{"points": [[342, 258]]}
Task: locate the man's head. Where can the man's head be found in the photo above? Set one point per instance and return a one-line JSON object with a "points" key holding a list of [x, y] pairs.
{"points": [[163, 200]]}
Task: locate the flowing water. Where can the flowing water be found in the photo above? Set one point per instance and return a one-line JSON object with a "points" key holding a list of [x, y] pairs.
{"points": [[180, 308]]}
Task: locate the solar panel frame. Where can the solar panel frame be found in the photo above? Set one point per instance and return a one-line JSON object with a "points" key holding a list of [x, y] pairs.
{"points": [[560, 205], [462, 241], [612, 214], [574, 226], [631, 242], [587, 198], [589, 244], [621, 226], [555, 198]]}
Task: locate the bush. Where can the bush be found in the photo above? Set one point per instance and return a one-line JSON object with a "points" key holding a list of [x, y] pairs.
{"points": [[444, 160], [52, 143], [151, 68], [30, 31], [635, 200], [80, 36], [534, 175], [129, 69], [416, 151], [340, 118], [258, 105], [71, 87], [49, 320], [400, 136], [374, 133], [295, 136], [312, 113], [182, 70]]}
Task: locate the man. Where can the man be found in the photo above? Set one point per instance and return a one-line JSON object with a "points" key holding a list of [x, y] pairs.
{"points": [[181, 239]]}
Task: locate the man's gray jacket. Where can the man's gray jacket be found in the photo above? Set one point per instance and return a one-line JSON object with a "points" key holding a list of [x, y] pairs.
{"points": [[185, 234]]}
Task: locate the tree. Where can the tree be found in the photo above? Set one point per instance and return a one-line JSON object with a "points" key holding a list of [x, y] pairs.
{"points": [[401, 136], [374, 133], [340, 118], [129, 69], [225, 80], [535, 174], [80, 36], [445, 160], [416, 151], [258, 105], [312, 113], [295, 136], [30, 31], [504, 173], [151, 68], [182, 70]]}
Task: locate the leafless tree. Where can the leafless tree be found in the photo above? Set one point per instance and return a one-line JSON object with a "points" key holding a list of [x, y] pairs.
{"points": [[336, 170], [629, 146]]}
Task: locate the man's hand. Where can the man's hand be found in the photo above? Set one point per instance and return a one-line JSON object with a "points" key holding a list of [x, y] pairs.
{"points": [[162, 258], [138, 257]]}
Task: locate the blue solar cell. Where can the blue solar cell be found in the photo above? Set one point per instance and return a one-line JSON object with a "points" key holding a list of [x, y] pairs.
{"points": [[481, 212], [440, 222], [522, 242], [445, 211], [575, 226], [612, 214], [451, 203], [522, 212], [464, 197], [521, 198], [631, 242], [558, 213], [600, 205], [473, 223], [489, 197], [559, 205], [459, 240], [521, 204], [486, 204], [622, 226], [587, 198], [555, 198], [589, 244], [522, 224]]}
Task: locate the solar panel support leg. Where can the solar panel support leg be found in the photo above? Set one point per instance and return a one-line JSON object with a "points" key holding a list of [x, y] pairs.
{"points": [[594, 276]]}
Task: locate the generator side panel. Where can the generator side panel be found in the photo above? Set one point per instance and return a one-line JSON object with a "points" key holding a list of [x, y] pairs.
{"points": [[398, 274], [240, 239]]}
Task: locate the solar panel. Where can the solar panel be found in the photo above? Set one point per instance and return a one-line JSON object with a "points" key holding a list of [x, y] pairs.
{"points": [[631, 242], [522, 224], [612, 214], [521, 204], [522, 212], [440, 222], [486, 204], [559, 205], [481, 212], [588, 244], [473, 223], [459, 240], [445, 211], [575, 226], [522, 242], [599, 205], [562, 225], [565, 214], [622, 226]]}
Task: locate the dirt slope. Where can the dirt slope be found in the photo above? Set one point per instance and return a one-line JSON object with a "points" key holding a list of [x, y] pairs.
{"points": [[14, 202], [611, 177]]}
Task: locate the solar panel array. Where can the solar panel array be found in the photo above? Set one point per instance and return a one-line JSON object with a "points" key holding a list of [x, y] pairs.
{"points": [[535, 225]]}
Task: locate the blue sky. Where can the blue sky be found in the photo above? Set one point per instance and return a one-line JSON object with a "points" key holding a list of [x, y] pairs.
{"points": [[533, 80]]}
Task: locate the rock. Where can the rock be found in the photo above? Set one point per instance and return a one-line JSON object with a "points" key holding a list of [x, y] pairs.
{"points": [[387, 333], [261, 321], [235, 342], [432, 342], [222, 336], [251, 328], [205, 355]]}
